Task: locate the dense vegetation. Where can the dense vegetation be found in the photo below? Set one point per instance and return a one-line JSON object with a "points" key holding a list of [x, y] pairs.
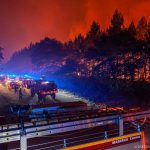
{"points": [[119, 55], [113, 92], [116, 52]]}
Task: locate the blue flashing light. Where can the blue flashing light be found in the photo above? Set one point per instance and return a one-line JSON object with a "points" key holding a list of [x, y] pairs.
{"points": [[12, 75]]}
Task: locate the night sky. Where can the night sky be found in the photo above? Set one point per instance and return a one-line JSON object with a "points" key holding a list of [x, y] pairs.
{"points": [[23, 21]]}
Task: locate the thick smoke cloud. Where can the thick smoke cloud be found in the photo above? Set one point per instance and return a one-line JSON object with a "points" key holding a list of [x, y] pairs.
{"points": [[25, 21]]}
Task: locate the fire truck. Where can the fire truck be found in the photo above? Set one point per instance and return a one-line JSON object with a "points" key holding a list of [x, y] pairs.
{"points": [[2, 79], [13, 83], [43, 88], [27, 82]]}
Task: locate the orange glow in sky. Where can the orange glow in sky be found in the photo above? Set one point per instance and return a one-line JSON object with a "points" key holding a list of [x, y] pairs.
{"points": [[25, 21]]}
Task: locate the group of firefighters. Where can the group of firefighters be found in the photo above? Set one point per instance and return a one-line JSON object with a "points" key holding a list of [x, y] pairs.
{"points": [[41, 87], [17, 88]]}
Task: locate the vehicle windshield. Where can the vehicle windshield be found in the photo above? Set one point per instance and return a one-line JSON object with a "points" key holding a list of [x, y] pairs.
{"points": [[47, 86]]}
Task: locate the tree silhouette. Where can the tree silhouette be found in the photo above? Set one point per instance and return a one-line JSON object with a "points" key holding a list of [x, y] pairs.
{"points": [[148, 32], [132, 31], [93, 38], [45, 50], [116, 23], [94, 33], [79, 44], [142, 29], [1, 54]]}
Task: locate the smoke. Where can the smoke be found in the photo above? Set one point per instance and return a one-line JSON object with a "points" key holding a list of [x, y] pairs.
{"points": [[25, 21], [102, 10]]}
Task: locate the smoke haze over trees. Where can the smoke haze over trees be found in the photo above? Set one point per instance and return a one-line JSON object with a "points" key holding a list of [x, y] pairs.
{"points": [[118, 52], [119, 55], [1, 54]]}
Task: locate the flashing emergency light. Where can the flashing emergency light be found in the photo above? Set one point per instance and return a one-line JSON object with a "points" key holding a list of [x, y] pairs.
{"points": [[45, 82]]}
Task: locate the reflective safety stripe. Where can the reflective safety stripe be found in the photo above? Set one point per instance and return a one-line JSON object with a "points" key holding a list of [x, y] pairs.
{"points": [[108, 142]]}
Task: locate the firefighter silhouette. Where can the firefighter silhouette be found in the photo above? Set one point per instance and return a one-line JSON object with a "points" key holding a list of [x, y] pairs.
{"points": [[20, 94]]}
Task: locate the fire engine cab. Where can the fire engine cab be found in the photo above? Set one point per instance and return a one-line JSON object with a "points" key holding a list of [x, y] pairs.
{"points": [[43, 88]]}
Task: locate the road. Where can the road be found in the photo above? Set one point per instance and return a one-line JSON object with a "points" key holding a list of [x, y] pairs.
{"points": [[9, 97]]}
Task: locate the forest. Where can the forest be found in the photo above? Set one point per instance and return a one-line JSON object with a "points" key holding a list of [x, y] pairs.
{"points": [[117, 52], [118, 55]]}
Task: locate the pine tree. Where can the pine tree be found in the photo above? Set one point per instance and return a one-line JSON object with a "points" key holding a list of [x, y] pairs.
{"points": [[142, 29], [79, 43], [132, 30], [94, 33], [148, 31], [116, 23]]}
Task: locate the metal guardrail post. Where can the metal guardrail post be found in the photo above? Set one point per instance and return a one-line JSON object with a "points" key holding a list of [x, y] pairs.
{"points": [[120, 123], [23, 142], [65, 143], [23, 137], [138, 128], [105, 135]]}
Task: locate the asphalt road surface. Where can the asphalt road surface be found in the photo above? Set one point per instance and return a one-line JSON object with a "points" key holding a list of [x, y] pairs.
{"points": [[9, 97]]}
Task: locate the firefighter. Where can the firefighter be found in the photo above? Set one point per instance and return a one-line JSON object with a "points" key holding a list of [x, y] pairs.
{"points": [[39, 97], [15, 88], [32, 92], [20, 94]]}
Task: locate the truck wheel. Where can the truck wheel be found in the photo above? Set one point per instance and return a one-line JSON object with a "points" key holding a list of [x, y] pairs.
{"points": [[39, 98], [44, 99], [53, 96], [32, 93]]}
